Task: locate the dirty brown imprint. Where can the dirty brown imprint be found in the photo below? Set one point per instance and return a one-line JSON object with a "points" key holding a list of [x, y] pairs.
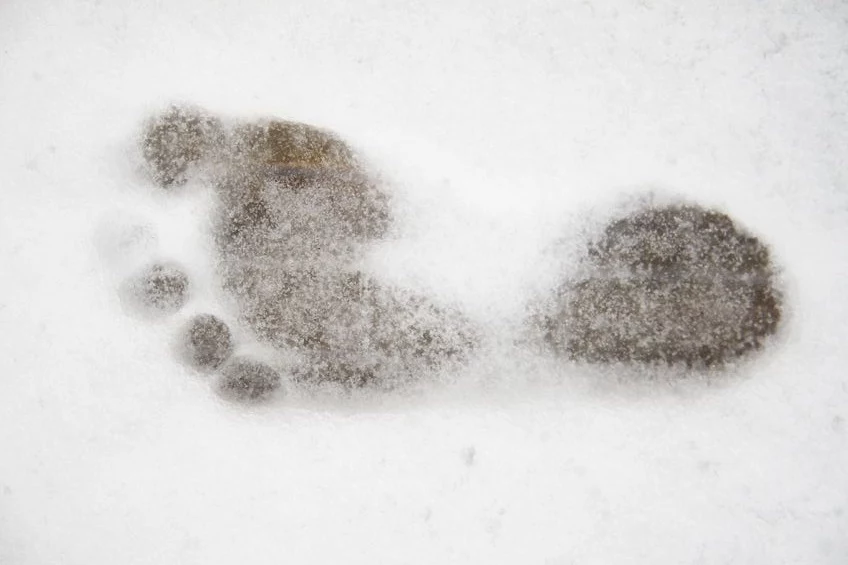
{"points": [[296, 211], [676, 284]]}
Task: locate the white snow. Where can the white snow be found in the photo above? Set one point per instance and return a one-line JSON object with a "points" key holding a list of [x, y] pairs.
{"points": [[505, 126]]}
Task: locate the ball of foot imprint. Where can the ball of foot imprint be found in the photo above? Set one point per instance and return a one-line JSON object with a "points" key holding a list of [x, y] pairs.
{"points": [[160, 288], [355, 332], [675, 285], [247, 380], [206, 342], [295, 211], [175, 141]]}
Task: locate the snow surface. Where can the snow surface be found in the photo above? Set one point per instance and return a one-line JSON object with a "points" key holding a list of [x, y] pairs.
{"points": [[505, 126]]}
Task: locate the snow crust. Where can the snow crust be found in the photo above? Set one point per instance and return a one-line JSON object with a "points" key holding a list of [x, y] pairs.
{"points": [[509, 130]]}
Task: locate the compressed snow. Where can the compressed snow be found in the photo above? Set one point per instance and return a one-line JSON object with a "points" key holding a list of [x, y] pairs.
{"points": [[509, 131]]}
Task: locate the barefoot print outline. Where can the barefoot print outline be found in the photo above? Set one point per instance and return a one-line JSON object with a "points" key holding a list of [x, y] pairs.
{"points": [[668, 284]]}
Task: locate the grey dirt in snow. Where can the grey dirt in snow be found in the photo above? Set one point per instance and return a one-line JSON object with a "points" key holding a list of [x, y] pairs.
{"points": [[676, 284], [296, 210]]}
